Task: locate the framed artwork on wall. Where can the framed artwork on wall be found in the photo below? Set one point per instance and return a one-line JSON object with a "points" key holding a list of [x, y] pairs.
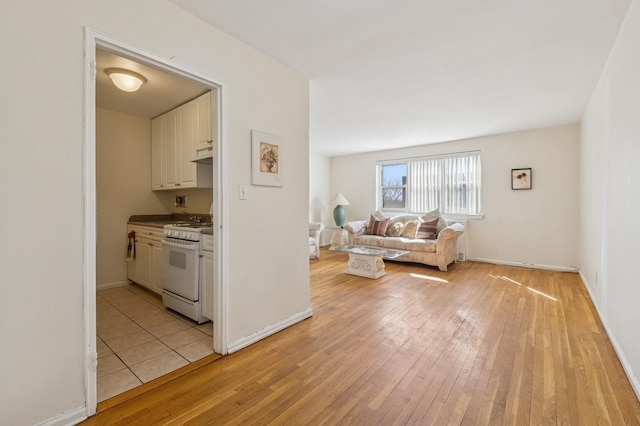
{"points": [[267, 159], [521, 178]]}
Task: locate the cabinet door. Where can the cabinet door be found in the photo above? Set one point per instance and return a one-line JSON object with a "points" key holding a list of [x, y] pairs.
{"points": [[157, 153], [187, 142], [204, 117], [158, 259], [206, 269], [132, 270], [171, 161], [144, 261]]}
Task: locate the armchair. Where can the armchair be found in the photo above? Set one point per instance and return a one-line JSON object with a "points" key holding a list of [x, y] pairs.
{"points": [[314, 239]]}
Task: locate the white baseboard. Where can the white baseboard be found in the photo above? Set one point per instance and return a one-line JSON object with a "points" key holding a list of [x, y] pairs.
{"points": [[524, 265], [243, 342], [72, 417], [616, 347], [111, 285]]}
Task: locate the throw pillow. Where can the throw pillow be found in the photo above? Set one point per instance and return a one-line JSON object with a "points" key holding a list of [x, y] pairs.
{"points": [[410, 229], [435, 214], [428, 230], [395, 229], [377, 227]]}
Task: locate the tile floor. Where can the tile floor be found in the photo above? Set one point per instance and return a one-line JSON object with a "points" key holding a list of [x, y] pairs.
{"points": [[140, 340]]}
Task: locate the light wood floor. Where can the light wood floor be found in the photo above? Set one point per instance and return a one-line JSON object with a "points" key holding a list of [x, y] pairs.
{"points": [[480, 344]]}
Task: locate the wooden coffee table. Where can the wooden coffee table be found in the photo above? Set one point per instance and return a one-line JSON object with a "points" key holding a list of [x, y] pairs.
{"points": [[368, 261]]}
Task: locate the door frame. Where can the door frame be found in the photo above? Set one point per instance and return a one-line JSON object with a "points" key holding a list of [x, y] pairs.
{"points": [[92, 41]]}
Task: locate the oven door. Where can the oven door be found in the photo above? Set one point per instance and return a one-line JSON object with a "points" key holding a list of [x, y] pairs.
{"points": [[181, 268]]}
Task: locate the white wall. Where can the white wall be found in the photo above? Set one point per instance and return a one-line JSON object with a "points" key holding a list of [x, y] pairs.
{"points": [[532, 227], [320, 193], [41, 156], [123, 171], [609, 202]]}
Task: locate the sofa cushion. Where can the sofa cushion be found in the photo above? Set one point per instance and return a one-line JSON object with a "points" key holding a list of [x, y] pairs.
{"points": [[442, 223], [428, 246], [377, 227], [395, 229], [397, 243], [410, 229], [428, 230]]}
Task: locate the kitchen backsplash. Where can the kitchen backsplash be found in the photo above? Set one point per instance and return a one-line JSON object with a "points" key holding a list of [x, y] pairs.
{"points": [[198, 200]]}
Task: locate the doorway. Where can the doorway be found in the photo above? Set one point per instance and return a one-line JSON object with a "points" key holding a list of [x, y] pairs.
{"points": [[98, 44]]}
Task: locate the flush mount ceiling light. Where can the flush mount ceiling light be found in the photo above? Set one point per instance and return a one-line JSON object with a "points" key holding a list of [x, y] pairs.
{"points": [[125, 80]]}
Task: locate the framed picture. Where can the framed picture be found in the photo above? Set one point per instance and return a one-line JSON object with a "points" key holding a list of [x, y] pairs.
{"points": [[521, 178], [267, 159]]}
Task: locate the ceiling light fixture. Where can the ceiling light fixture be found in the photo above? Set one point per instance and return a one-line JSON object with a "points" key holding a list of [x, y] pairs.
{"points": [[125, 80]]}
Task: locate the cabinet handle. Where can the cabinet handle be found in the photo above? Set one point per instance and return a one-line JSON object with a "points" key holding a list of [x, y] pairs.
{"points": [[177, 184], [210, 142]]}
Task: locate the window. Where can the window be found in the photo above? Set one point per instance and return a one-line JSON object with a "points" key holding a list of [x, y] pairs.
{"points": [[394, 186], [451, 183]]}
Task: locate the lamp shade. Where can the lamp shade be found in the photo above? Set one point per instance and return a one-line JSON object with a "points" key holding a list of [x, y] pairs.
{"points": [[125, 80], [339, 200]]}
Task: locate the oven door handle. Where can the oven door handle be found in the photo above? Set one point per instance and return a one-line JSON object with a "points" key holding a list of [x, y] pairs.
{"points": [[191, 247]]}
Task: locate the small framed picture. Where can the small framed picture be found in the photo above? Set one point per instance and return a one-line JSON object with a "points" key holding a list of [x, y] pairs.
{"points": [[521, 178], [267, 159]]}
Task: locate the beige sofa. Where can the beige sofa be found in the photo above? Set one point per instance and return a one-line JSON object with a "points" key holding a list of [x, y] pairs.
{"points": [[439, 252]]}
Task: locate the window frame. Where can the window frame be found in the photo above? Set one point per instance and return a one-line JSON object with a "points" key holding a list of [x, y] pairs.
{"points": [[380, 192], [379, 188]]}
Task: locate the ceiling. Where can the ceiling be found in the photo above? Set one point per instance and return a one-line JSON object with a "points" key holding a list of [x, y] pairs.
{"points": [[389, 74], [161, 93]]}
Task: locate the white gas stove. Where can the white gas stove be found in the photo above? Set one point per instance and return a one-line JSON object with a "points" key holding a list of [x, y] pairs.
{"points": [[185, 231], [181, 269]]}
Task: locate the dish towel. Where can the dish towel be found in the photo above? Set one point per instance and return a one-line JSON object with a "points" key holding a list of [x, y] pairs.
{"points": [[131, 247]]}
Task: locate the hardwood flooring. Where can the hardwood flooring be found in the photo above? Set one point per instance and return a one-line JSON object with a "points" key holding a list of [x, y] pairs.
{"points": [[480, 344]]}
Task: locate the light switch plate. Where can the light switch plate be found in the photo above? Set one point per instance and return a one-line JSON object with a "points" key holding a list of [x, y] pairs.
{"points": [[242, 192]]}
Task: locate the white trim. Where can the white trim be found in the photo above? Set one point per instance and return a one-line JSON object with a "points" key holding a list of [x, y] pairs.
{"points": [[221, 236], [623, 359], [93, 40], [245, 341], [112, 285], [458, 216], [89, 252], [524, 265], [72, 417]]}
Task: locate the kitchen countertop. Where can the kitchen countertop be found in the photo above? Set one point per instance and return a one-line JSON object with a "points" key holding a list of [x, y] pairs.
{"points": [[160, 220]]}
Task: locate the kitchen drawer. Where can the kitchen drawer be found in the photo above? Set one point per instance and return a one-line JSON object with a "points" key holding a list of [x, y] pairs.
{"points": [[151, 233]]}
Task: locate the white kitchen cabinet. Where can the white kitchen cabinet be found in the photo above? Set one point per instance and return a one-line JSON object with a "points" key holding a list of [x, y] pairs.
{"points": [[157, 264], [171, 149], [187, 116], [206, 271], [157, 153], [173, 141], [146, 268], [205, 110]]}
